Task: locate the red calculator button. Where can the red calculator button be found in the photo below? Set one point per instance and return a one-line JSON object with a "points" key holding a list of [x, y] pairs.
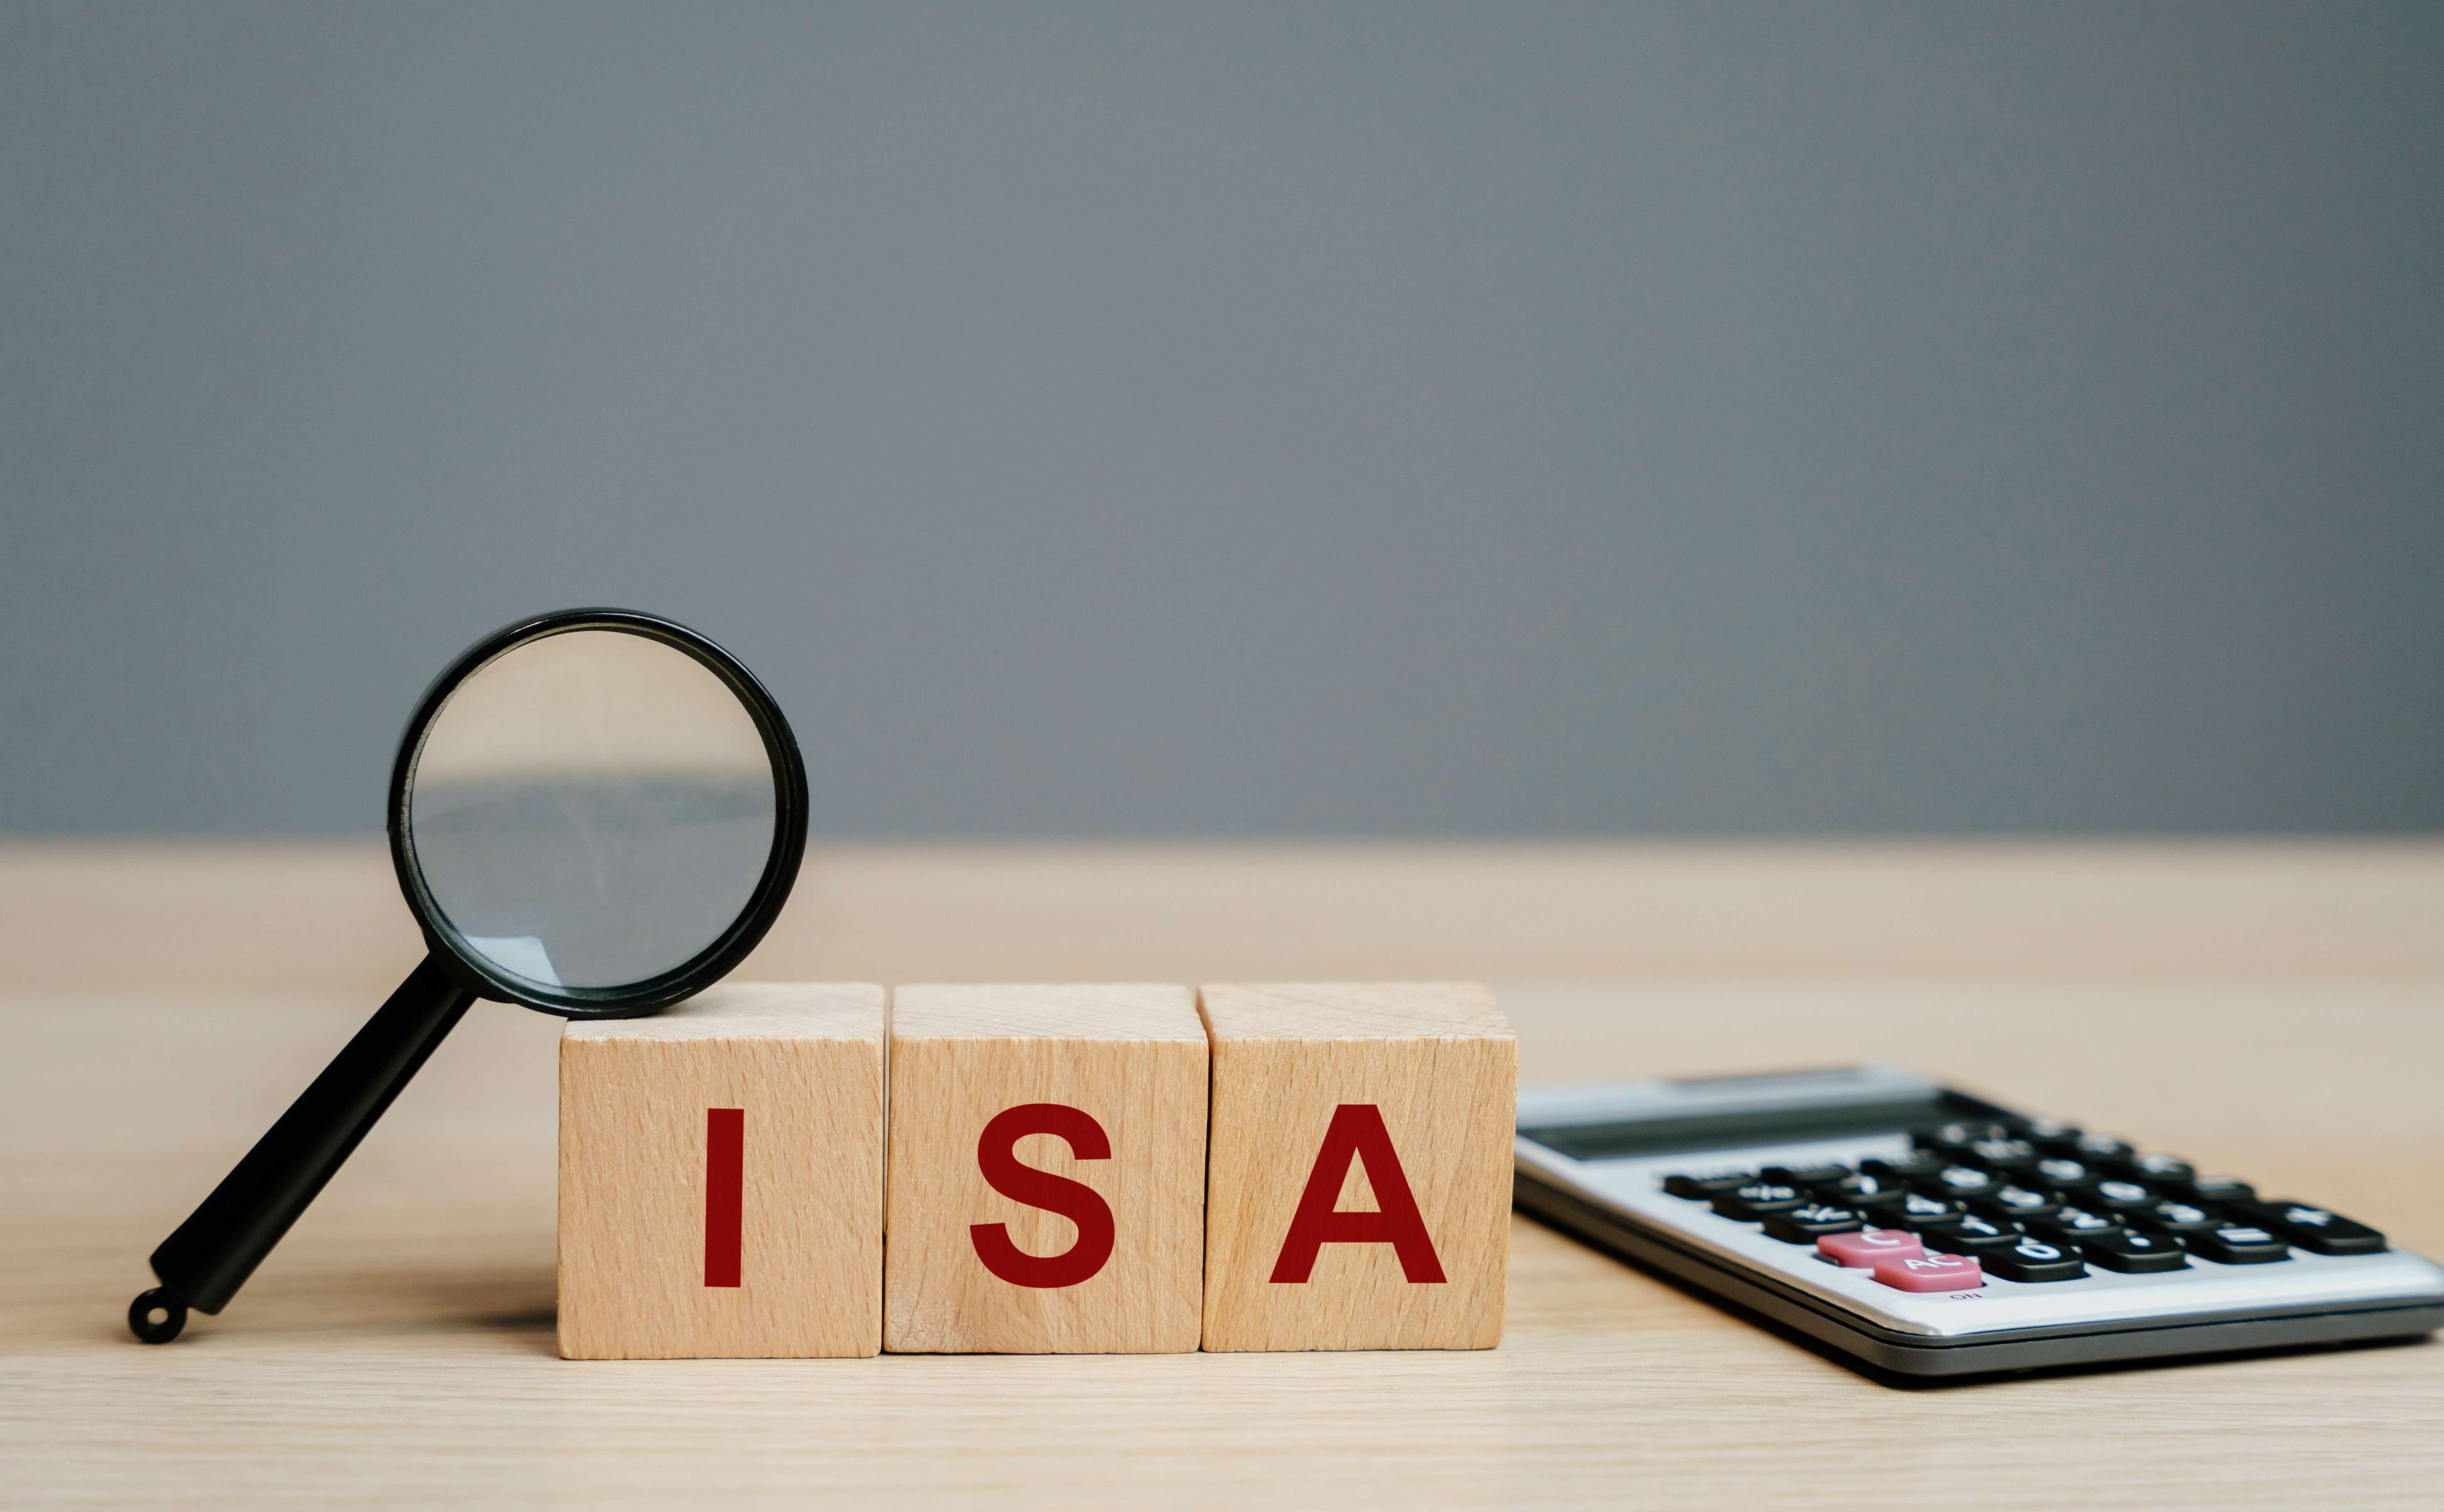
{"points": [[1861, 1251], [1931, 1273]]}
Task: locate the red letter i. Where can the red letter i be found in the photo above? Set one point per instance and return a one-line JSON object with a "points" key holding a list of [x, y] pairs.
{"points": [[725, 1195]]}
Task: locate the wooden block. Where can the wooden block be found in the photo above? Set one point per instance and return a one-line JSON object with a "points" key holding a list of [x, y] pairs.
{"points": [[1048, 1170], [1358, 1175], [721, 1176]]}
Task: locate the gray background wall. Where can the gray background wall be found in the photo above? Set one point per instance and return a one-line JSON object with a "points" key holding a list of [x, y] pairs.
{"points": [[1232, 419]]}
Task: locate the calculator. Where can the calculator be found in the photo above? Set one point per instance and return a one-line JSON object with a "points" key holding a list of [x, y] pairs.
{"points": [[1931, 1233]]}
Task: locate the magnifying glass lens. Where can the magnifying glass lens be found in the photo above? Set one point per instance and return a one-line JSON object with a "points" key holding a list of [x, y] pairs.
{"points": [[591, 809]]}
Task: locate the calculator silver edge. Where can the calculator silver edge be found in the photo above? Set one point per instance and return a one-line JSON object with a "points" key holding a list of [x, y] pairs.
{"points": [[2106, 1315]]}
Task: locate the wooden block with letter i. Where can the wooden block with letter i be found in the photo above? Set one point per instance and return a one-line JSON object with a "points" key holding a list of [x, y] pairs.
{"points": [[721, 1176], [1048, 1170], [1359, 1179]]}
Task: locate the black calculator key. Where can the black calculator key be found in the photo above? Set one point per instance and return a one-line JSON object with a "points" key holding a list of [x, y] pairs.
{"points": [[1751, 1203], [2064, 1174], [1968, 1234], [2158, 1169], [2318, 1229], [2098, 1150], [1860, 1189], [2051, 1135], [1952, 1140], [1804, 1176], [2134, 1251], [2211, 1190], [1916, 1211], [1958, 1183], [2169, 1217], [2118, 1195], [2014, 1202], [1804, 1226], [1907, 1168], [2006, 1158], [2033, 1258], [2238, 1243], [1703, 1187], [2076, 1224]]}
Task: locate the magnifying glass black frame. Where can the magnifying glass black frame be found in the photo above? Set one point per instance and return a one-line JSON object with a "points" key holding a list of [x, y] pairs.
{"points": [[203, 1263]]}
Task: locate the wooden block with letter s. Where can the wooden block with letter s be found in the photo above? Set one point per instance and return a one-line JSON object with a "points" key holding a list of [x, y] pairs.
{"points": [[1047, 1170], [1359, 1176], [721, 1171]]}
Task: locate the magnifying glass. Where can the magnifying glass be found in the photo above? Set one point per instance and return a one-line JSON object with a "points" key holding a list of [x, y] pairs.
{"points": [[596, 813]]}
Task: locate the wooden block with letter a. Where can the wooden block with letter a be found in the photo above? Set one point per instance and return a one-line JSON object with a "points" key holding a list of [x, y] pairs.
{"points": [[721, 1176], [1359, 1179], [1048, 1170]]}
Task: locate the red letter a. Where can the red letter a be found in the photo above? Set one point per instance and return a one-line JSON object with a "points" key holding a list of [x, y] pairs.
{"points": [[997, 1157], [1357, 1132]]}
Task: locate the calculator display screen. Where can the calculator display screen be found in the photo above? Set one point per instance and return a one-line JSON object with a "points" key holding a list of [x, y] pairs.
{"points": [[1666, 1133]]}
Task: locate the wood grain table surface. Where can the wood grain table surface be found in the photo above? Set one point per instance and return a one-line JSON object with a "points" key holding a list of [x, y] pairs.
{"points": [[2271, 1009]]}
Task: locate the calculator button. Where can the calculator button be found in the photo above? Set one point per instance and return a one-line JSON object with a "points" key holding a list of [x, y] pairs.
{"points": [[2132, 1251], [2051, 1135], [1917, 1210], [2319, 1230], [2034, 1259], [1862, 1249], [2118, 1195], [1750, 1203], [2183, 1218], [2014, 1202], [2237, 1245], [1931, 1273], [2076, 1224], [2006, 1158], [1804, 1226], [1859, 1190], [2158, 1169], [1952, 1140], [1968, 1234], [2064, 1174], [1958, 1182], [2097, 1149], [1804, 1176], [1909, 1167], [1704, 1187], [2210, 1189]]}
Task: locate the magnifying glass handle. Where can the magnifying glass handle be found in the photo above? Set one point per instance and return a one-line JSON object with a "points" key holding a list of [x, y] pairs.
{"points": [[213, 1253]]}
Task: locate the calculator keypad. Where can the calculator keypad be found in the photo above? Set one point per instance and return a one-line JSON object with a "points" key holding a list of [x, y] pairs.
{"points": [[2031, 1201]]}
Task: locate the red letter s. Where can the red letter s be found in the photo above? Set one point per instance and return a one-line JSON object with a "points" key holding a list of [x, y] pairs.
{"points": [[997, 1157], [1357, 1132]]}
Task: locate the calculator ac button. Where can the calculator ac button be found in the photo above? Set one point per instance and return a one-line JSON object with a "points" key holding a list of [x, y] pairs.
{"points": [[1931, 1273], [1864, 1249], [2319, 1229]]}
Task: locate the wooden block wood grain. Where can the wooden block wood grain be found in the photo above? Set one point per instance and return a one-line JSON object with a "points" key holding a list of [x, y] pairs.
{"points": [[1359, 1173], [721, 1176], [1048, 1170]]}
